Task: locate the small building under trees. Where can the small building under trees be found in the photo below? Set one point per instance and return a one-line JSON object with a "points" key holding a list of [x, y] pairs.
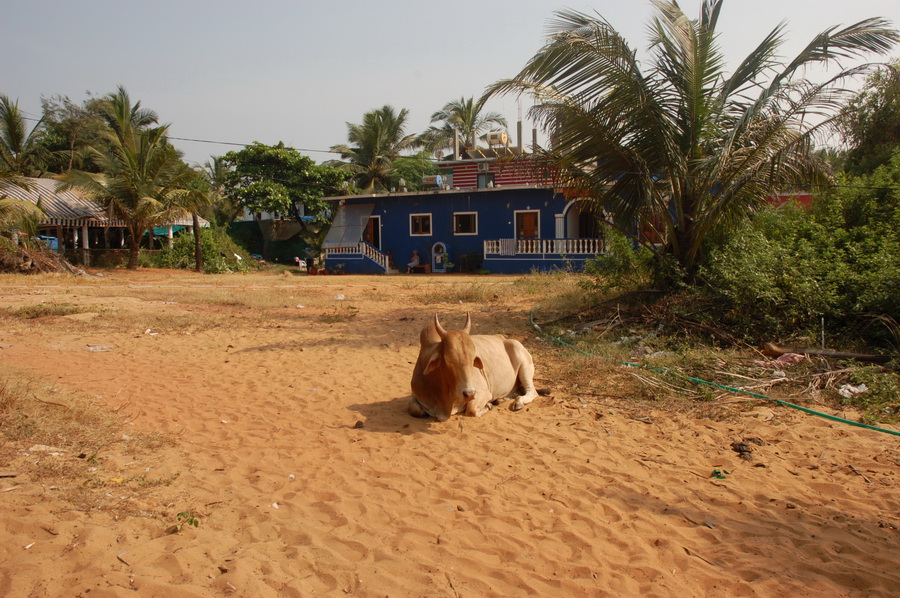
{"points": [[79, 228]]}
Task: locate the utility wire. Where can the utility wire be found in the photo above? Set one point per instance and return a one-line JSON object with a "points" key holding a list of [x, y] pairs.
{"points": [[439, 162], [302, 149]]}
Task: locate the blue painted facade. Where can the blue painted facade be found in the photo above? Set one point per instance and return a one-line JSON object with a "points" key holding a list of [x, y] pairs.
{"points": [[459, 222]]}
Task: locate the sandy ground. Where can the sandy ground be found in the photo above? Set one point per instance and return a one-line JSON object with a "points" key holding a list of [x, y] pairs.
{"points": [[291, 445]]}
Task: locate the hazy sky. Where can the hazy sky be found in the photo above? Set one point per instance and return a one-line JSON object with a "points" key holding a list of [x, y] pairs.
{"points": [[265, 70]]}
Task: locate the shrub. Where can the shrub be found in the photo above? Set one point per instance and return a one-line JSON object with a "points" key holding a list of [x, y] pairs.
{"points": [[218, 248], [780, 273], [623, 267]]}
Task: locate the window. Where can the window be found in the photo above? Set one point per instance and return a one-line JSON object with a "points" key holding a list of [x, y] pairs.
{"points": [[485, 180], [465, 223], [420, 224]]}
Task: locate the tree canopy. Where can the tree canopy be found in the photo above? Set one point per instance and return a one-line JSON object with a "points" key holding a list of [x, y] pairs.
{"points": [[871, 122], [141, 178], [464, 116], [675, 141], [279, 179], [375, 145], [20, 148]]}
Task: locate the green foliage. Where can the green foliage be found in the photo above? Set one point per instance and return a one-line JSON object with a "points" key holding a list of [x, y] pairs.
{"points": [[623, 267], [778, 274], [142, 179], [20, 149], [411, 169], [375, 146], [675, 139], [881, 399], [279, 179], [186, 518], [69, 130], [871, 122], [214, 242], [464, 116], [19, 216]]}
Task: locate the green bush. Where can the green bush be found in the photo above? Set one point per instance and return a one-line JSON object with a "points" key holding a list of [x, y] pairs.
{"points": [[623, 267], [218, 253], [881, 399], [779, 274]]}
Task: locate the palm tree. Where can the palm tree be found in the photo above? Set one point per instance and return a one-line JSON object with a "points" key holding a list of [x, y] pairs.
{"points": [[123, 117], [224, 208], [465, 117], [375, 145], [142, 179], [682, 143], [20, 150], [199, 196]]}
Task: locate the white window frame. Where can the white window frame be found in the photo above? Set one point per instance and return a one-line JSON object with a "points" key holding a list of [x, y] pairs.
{"points": [[430, 225], [516, 225], [455, 214]]}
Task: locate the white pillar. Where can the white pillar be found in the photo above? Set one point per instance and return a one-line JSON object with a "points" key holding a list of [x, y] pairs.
{"points": [[169, 236], [85, 246]]}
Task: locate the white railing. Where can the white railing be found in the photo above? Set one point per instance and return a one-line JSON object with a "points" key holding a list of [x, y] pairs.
{"points": [[544, 247], [362, 248]]}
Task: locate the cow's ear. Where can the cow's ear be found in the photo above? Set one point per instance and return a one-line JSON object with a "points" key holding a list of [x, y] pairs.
{"points": [[478, 363], [432, 364]]}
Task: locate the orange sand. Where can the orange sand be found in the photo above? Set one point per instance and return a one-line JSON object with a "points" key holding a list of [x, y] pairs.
{"points": [[566, 498]]}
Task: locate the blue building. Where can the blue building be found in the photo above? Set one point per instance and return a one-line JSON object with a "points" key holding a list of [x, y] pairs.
{"points": [[485, 212]]}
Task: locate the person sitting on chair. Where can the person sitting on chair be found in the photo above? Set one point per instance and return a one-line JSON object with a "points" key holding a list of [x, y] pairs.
{"points": [[414, 261]]}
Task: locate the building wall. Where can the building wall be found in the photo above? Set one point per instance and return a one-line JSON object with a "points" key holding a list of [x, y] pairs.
{"points": [[506, 173], [495, 211]]}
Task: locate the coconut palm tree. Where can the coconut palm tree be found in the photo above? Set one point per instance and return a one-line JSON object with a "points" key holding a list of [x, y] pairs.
{"points": [[374, 147], [676, 140], [224, 208], [463, 116], [20, 149], [142, 179], [199, 196], [123, 117]]}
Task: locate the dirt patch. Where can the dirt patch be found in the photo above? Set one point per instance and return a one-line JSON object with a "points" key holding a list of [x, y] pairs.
{"points": [[253, 440]]}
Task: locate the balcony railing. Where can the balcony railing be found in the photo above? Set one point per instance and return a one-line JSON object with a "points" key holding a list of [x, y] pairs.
{"points": [[361, 248], [525, 247]]}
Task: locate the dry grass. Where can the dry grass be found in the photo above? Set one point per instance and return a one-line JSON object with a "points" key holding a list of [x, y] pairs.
{"points": [[45, 310], [78, 450], [466, 292]]}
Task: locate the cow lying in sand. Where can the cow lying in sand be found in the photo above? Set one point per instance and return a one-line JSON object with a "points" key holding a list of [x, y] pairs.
{"points": [[457, 372]]}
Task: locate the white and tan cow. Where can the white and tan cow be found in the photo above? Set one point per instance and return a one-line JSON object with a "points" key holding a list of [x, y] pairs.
{"points": [[458, 372]]}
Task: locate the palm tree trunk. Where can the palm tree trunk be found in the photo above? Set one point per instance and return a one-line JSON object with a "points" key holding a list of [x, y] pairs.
{"points": [[134, 248], [133, 251], [198, 250]]}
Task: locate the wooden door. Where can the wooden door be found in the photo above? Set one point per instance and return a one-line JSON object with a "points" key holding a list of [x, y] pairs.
{"points": [[372, 232], [527, 225]]}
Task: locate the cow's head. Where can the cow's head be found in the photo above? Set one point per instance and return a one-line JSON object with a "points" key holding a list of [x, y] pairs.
{"points": [[453, 366]]}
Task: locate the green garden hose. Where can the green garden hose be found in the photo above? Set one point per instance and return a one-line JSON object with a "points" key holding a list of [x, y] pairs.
{"points": [[717, 385]]}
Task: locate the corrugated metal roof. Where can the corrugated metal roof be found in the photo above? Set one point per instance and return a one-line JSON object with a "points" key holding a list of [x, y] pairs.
{"points": [[68, 208]]}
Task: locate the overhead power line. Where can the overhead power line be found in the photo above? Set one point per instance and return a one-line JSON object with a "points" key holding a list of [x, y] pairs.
{"points": [[232, 143], [302, 149]]}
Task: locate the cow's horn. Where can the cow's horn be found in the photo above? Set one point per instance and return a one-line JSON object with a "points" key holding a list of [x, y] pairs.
{"points": [[468, 327], [438, 327]]}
